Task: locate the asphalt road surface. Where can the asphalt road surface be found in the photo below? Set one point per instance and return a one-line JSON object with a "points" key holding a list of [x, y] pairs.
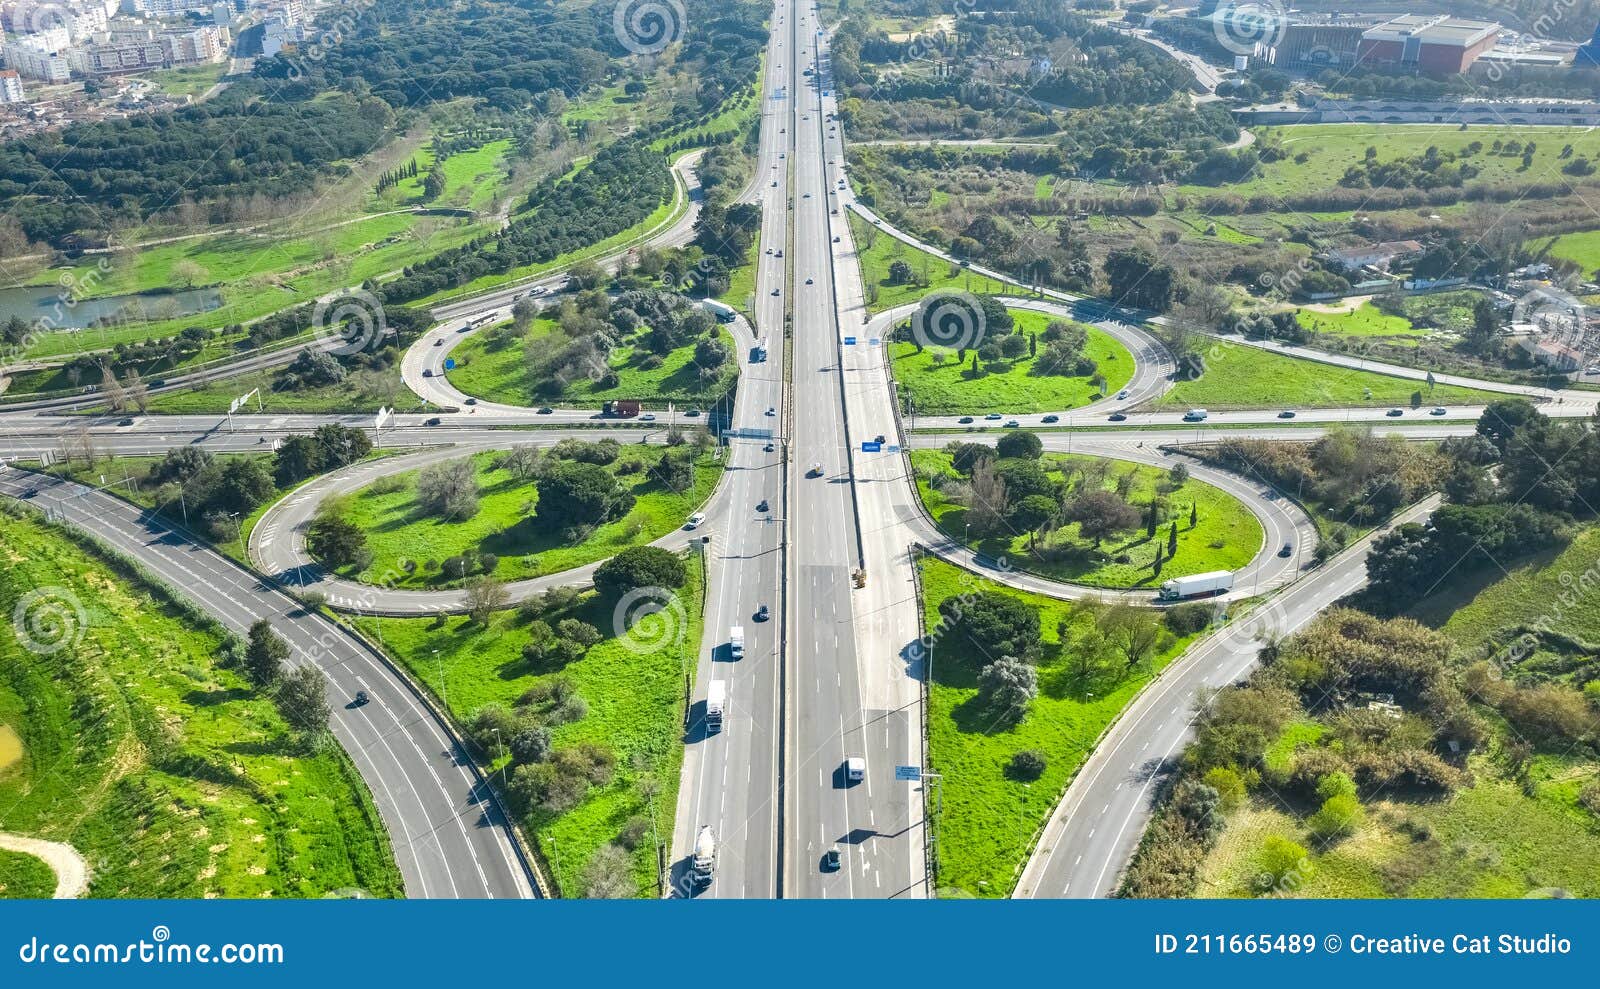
{"points": [[448, 835]]}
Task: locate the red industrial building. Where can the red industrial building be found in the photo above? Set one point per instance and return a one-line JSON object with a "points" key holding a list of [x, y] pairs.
{"points": [[1435, 45]]}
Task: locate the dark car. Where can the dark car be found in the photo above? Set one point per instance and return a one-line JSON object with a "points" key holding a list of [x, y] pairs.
{"points": [[965, 420], [1286, 414], [830, 859], [1395, 413], [1051, 418], [762, 614], [1118, 417], [472, 401], [546, 410], [761, 505], [125, 421], [1287, 551], [879, 438], [427, 372], [361, 697], [432, 421], [692, 413]]}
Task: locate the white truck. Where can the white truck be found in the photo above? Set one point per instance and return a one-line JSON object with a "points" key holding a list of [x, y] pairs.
{"points": [[705, 855], [736, 642], [716, 703], [1199, 585]]}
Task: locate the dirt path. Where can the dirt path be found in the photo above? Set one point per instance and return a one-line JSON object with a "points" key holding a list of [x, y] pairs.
{"points": [[72, 872]]}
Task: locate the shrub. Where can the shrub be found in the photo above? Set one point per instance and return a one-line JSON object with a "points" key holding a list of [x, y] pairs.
{"points": [[1027, 765], [1188, 619], [1340, 815], [1282, 864]]}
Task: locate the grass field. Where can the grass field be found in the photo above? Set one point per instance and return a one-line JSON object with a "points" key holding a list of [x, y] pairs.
{"points": [[877, 251], [24, 877], [190, 80], [990, 819], [635, 706], [363, 394], [1238, 376], [1226, 537], [948, 388], [167, 771], [1367, 320], [1581, 248], [497, 371], [396, 531], [1332, 148]]}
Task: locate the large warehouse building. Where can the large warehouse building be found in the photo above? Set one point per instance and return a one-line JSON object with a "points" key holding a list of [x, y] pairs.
{"points": [[1435, 45]]}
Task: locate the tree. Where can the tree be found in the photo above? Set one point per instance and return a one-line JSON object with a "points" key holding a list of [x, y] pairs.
{"points": [[265, 654], [1031, 514], [1027, 765], [1501, 420], [637, 567], [1172, 541], [576, 495], [1194, 514], [298, 458], [484, 596], [900, 273], [1280, 862], [1020, 444], [303, 699], [1139, 280], [449, 490], [993, 622], [530, 743], [189, 273], [1007, 686], [1339, 815], [1135, 632], [609, 875], [336, 542], [987, 499], [1100, 514]]}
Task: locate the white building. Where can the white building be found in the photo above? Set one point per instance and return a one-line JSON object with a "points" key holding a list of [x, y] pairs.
{"points": [[33, 60], [10, 86]]}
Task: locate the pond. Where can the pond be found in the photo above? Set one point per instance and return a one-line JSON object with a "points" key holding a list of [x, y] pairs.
{"points": [[42, 304]]}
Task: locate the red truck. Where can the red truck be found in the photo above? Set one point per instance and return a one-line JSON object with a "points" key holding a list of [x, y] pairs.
{"points": [[620, 409]]}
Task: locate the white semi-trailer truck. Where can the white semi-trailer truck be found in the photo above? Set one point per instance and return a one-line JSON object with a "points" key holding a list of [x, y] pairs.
{"points": [[1197, 586]]}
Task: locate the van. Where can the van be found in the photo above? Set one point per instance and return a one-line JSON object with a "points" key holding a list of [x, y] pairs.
{"points": [[1196, 415]]}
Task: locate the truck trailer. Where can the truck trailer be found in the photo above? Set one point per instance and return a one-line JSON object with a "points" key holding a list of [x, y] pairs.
{"points": [[1198, 586], [716, 703]]}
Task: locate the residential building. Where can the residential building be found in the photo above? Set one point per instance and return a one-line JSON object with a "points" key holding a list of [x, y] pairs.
{"points": [[10, 86], [33, 60], [1379, 256]]}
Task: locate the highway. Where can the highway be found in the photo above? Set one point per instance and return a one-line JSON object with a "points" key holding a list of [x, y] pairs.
{"points": [[1096, 828], [447, 832], [730, 777]]}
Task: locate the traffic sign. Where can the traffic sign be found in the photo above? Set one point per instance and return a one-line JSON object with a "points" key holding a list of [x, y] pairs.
{"points": [[873, 342], [909, 773], [849, 341], [449, 363], [868, 446]]}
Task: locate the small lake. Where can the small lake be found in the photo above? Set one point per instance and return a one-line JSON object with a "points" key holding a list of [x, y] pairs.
{"points": [[38, 303]]}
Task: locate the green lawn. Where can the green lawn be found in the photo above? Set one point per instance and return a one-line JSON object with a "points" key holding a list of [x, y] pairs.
{"points": [[496, 370], [397, 532], [989, 818], [358, 394], [878, 250], [1581, 248], [167, 771], [1226, 537], [1332, 148], [1365, 321], [938, 385], [635, 706], [191, 80], [1238, 376], [24, 877]]}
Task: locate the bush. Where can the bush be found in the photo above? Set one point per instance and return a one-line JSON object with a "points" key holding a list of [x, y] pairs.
{"points": [[1229, 785], [637, 567], [1188, 619], [1282, 864], [1027, 765], [1340, 815]]}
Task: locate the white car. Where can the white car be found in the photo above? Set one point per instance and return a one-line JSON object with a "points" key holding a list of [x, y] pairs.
{"points": [[695, 520], [1122, 394], [855, 769], [648, 417]]}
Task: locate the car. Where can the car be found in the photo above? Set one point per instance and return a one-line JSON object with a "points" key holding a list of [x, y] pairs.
{"points": [[761, 505], [692, 413], [836, 211], [439, 342], [808, 281], [1438, 412], [831, 859], [432, 421], [545, 410], [762, 614], [782, 154], [1118, 417], [774, 291], [695, 520], [805, 195], [471, 401], [836, 239], [966, 262], [1286, 414], [768, 448], [427, 372], [1122, 394], [1395, 413], [125, 421], [1287, 550], [855, 769], [778, 253], [648, 417], [879, 439], [965, 420], [1051, 418], [815, 470], [774, 184], [361, 698], [993, 416], [771, 411], [1012, 424]]}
